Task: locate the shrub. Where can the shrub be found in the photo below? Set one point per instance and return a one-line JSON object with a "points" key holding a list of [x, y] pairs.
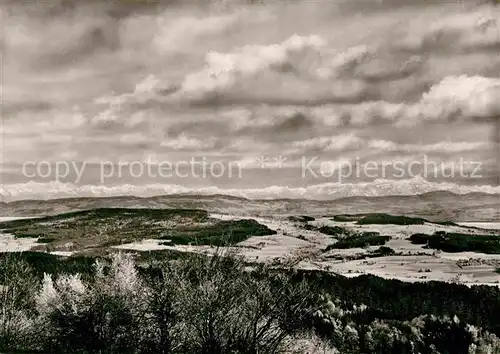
{"points": [[383, 251], [334, 231], [301, 218], [16, 299], [41, 262], [102, 315], [193, 305], [420, 239], [226, 309], [216, 304], [45, 239]]}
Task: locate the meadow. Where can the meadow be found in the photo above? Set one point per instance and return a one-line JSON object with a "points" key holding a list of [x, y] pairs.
{"points": [[101, 298]]}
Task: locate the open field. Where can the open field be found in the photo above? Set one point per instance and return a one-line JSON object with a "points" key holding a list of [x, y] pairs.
{"points": [[104, 227], [434, 206], [341, 280], [377, 244], [482, 225]]}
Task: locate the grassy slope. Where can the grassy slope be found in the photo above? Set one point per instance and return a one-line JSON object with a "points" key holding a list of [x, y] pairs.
{"points": [[111, 226]]}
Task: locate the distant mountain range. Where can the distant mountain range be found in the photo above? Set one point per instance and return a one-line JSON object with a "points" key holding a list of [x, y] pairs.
{"points": [[436, 206]]}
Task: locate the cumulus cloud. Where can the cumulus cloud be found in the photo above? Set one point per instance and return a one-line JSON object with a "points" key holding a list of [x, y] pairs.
{"points": [[441, 147], [135, 139], [306, 75], [68, 39], [184, 142], [462, 97], [177, 35], [468, 96], [303, 77], [338, 143], [344, 143], [248, 145], [454, 33], [294, 67]]}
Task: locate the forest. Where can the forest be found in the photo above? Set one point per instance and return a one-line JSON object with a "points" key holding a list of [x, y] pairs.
{"points": [[175, 303]]}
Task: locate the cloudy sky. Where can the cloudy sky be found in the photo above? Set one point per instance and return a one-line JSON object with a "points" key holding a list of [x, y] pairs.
{"points": [[289, 92]]}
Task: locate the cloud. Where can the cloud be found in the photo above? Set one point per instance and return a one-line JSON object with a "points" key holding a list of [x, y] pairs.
{"points": [[293, 70], [462, 97], [354, 87], [248, 145], [336, 143], [179, 34], [441, 147], [183, 142], [473, 30], [468, 96], [325, 191], [204, 77], [349, 142], [60, 41], [293, 125], [135, 139]]}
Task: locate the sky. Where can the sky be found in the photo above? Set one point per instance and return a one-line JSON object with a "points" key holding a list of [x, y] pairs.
{"points": [[261, 99]]}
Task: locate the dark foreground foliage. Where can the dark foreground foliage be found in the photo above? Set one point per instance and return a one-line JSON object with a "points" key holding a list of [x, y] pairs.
{"points": [[396, 300], [216, 304], [41, 262], [193, 305]]}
